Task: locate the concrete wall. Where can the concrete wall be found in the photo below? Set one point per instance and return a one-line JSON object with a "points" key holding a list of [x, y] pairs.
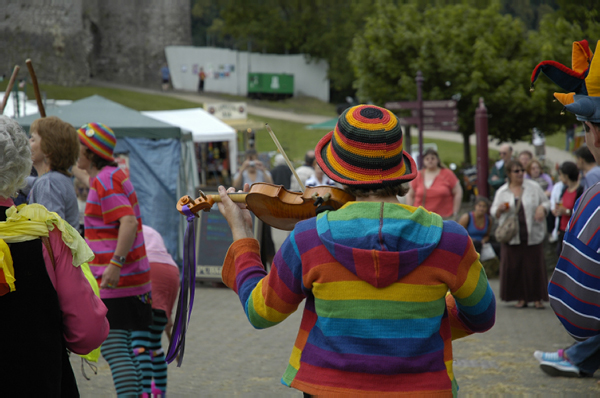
{"points": [[70, 41], [130, 36], [50, 32], [310, 79]]}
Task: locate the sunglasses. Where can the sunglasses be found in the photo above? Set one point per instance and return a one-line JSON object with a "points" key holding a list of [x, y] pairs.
{"points": [[518, 171]]}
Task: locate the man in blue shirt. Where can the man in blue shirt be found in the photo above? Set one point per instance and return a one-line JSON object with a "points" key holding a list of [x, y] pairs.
{"points": [[166, 77]]}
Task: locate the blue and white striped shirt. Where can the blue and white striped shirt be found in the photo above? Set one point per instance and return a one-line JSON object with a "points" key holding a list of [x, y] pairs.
{"points": [[574, 288]]}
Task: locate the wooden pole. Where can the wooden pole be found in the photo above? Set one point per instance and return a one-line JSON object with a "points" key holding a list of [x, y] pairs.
{"points": [[36, 88], [419, 79], [9, 88], [481, 131]]}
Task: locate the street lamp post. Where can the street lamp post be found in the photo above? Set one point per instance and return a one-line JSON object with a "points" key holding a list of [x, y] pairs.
{"points": [[481, 131], [419, 79]]}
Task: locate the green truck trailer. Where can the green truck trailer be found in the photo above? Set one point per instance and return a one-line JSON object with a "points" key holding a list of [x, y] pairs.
{"points": [[270, 85]]}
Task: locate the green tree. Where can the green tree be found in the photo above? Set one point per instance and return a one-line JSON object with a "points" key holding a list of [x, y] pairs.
{"points": [[321, 29], [581, 12], [207, 26], [460, 50], [528, 11], [553, 41]]}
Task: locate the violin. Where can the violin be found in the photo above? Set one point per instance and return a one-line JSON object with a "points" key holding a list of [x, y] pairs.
{"points": [[274, 205]]}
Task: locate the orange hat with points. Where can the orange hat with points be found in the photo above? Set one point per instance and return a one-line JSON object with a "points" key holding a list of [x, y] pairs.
{"points": [[570, 79], [583, 82]]}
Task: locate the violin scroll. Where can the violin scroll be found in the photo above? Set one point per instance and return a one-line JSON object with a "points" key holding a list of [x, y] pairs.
{"points": [[203, 202]]}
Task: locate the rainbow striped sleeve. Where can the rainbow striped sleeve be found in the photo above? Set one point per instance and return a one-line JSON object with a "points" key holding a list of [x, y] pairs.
{"points": [[471, 303], [267, 299]]}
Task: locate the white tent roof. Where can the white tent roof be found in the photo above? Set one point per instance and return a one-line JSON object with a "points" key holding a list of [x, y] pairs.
{"points": [[203, 126], [27, 107]]}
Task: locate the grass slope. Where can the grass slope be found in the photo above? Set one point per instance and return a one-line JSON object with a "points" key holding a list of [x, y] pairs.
{"points": [[294, 137], [296, 140], [130, 99]]}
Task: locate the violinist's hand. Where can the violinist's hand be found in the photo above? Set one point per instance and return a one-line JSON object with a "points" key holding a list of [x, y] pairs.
{"points": [[239, 219]]}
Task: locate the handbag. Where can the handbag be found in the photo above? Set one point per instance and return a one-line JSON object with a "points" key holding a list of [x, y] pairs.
{"points": [[510, 227], [487, 252]]}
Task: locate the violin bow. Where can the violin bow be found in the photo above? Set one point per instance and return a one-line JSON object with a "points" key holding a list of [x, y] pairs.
{"points": [[285, 156], [9, 88], [36, 88]]}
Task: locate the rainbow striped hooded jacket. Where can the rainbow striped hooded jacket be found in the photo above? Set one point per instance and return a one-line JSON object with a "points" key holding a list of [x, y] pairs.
{"points": [[387, 287]]}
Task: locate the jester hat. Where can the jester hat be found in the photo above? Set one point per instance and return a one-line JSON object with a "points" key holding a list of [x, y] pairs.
{"points": [[583, 82]]}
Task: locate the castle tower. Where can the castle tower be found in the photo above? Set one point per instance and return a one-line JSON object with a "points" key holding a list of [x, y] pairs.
{"points": [[70, 41]]}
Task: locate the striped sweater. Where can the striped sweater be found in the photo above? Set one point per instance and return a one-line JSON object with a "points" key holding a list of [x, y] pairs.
{"points": [[111, 197], [574, 288], [378, 319]]}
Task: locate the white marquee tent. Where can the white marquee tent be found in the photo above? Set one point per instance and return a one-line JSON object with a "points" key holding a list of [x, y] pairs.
{"points": [[203, 126]]}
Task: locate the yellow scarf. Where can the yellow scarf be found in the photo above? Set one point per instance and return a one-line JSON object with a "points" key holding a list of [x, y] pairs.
{"points": [[29, 222]]}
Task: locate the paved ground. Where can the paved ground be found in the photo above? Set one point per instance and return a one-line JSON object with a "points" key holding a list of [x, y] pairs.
{"points": [[553, 155], [226, 357]]}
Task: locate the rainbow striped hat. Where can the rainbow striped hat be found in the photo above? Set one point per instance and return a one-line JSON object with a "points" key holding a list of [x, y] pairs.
{"points": [[365, 149], [99, 138]]}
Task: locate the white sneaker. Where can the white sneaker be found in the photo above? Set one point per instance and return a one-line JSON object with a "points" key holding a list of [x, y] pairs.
{"points": [[562, 368], [548, 356]]}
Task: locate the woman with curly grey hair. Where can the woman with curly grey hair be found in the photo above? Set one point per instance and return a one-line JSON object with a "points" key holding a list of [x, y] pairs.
{"points": [[44, 295], [15, 158]]}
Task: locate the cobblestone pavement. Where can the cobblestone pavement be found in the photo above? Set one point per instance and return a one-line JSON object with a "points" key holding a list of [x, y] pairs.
{"points": [[226, 357]]}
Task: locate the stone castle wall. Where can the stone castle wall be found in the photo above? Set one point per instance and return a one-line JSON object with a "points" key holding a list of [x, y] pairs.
{"points": [[70, 41]]}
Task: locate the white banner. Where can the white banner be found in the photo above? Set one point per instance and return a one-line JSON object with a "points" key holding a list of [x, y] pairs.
{"points": [[227, 110]]}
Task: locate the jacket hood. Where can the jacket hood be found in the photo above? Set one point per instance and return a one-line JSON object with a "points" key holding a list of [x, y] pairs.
{"points": [[379, 242]]}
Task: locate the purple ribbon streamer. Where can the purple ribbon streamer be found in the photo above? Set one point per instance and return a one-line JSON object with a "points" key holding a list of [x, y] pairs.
{"points": [[186, 293]]}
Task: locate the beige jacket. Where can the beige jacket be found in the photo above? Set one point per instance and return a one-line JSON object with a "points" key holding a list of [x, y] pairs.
{"points": [[533, 196]]}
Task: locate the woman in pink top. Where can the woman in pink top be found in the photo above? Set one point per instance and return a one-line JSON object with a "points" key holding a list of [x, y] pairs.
{"points": [[164, 274], [436, 188], [44, 295]]}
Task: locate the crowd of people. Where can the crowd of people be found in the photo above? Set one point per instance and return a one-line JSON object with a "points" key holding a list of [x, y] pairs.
{"points": [[111, 285], [387, 286], [138, 280], [528, 208]]}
